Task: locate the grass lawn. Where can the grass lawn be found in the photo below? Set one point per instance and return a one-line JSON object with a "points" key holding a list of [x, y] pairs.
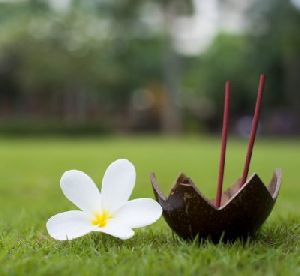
{"points": [[29, 194]]}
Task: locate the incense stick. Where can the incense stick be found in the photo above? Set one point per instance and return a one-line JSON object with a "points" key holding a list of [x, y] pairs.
{"points": [[224, 144], [255, 120]]}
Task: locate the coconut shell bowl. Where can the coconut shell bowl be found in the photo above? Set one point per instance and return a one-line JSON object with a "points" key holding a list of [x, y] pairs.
{"points": [[234, 214]]}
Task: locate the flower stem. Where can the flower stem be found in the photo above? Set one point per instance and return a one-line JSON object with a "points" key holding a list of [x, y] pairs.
{"points": [[255, 120], [224, 144]]}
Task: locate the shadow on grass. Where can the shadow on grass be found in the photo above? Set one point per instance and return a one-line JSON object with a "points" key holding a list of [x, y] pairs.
{"points": [[283, 233]]}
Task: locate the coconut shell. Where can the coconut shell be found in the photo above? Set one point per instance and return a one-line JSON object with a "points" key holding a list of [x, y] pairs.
{"points": [[243, 209]]}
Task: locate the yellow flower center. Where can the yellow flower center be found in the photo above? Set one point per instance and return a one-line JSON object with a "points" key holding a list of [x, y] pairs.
{"points": [[101, 219]]}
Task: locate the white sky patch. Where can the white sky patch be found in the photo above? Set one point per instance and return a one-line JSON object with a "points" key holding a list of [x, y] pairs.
{"points": [[60, 5], [194, 34], [296, 3]]}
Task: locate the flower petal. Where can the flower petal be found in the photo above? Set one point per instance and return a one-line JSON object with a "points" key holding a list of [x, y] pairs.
{"points": [[117, 229], [69, 225], [139, 212], [80, 189], [117, 184]]}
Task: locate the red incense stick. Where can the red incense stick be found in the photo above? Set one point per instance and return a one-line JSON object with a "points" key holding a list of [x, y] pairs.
{"points": [[255, 120], [224, 144]]}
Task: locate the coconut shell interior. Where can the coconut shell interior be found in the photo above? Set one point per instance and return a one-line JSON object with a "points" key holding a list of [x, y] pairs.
{"points": [[243, 209]]}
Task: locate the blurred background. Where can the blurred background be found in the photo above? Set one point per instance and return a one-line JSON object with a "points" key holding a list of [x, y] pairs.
{"points": [[127, 66], [106, 71]]}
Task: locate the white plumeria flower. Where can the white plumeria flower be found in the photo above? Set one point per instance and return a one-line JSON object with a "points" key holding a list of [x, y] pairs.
{"points": [[109, 212]]}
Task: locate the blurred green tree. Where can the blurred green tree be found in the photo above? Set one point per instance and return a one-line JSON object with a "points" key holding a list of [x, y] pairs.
{"points": [[271, 44], [85, 62]]}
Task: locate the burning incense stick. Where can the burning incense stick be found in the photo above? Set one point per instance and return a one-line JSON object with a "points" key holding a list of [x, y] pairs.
{"points": [[255, 120], [224, 144]]}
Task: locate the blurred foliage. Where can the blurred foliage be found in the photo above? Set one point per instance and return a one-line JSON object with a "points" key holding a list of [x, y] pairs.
{"points": [[87, 62], [225, 60], [271, 46], [56, 53]]}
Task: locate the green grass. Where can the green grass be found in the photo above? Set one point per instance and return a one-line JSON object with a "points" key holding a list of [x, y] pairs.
{"points": [[29, 194]]}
